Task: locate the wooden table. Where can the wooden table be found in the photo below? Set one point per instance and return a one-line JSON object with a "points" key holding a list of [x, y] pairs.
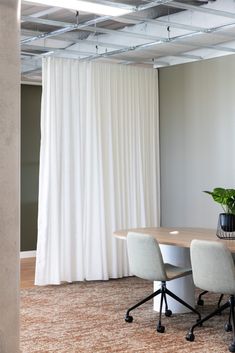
{"points": [[175, 244], [180, 237]]}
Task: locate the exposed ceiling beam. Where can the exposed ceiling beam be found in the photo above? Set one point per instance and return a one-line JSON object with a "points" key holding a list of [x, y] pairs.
{"points": [[117, 51], [55, 51], [46, 49], [88, 28], [46, 12], [153, 4], [159, 22], [159, 60], [69, 28], [45, 21], [157, 40], [91, 22], [36, 62], [139, 47], [217, 47], [122, 33], [156, 21], [175, 40], [165, 23], [73, 40], [96, 56]]}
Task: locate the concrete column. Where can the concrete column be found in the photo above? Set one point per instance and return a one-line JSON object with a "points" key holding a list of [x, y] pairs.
{"points": [[9, 175]]}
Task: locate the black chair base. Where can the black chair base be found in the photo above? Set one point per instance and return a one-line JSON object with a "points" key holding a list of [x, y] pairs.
{"points": [[200, 301], [163, 291], [230, 326]]}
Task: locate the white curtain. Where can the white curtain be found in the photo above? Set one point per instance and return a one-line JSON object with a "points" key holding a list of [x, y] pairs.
{"points": [[99, 167]]}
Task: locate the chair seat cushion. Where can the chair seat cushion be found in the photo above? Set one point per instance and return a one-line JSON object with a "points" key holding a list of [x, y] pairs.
{"points": [[174, 272]]}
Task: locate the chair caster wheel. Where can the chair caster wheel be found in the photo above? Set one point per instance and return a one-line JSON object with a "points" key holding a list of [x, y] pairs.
{"points": [[190, 337], [227, 327], [200, 302], [168, 313], [232, 347], [160, 328], [129, 318]]}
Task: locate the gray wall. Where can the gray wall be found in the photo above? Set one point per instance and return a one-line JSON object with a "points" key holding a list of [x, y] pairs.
{"points": [[30, 146], [197, 139], [9, 175]]}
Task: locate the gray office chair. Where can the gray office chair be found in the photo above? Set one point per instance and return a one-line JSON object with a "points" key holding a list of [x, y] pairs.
{"points": [[214, 271], [200, 301], [146, 262]]}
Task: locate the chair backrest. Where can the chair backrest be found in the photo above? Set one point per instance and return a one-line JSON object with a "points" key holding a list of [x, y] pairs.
{"points": [[212, 266], [145, 257]]}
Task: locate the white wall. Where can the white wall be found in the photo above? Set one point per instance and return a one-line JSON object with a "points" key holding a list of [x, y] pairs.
{"points": [[9, 176], [197, 139]]}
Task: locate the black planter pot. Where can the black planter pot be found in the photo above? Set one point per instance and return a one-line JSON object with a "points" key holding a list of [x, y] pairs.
{"points": [[227, 222]]}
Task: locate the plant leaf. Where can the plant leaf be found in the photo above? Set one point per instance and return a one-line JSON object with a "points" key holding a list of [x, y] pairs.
{"points": [[225, 197]]}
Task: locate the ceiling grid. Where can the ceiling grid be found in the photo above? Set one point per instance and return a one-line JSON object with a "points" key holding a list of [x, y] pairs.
{"points": [[154, 33]]}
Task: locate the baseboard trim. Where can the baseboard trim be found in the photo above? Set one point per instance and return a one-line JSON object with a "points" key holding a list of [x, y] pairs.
{"points": [[26, 254]]}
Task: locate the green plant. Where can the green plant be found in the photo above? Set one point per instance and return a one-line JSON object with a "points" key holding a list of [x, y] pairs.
{"points": [[225, 197]]}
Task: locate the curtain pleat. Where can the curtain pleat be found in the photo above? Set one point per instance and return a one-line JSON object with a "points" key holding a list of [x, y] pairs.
{"points": [[99, 167]]}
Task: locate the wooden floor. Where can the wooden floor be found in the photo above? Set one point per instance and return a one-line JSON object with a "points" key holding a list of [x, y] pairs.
{"points": [[27, 270]]}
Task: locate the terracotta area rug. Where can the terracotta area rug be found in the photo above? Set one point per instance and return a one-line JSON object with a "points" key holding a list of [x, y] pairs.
{"points": [[88, 317]]}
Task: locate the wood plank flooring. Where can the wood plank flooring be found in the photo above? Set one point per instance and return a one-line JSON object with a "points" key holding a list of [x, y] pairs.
{"points": [[27, 271]]}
